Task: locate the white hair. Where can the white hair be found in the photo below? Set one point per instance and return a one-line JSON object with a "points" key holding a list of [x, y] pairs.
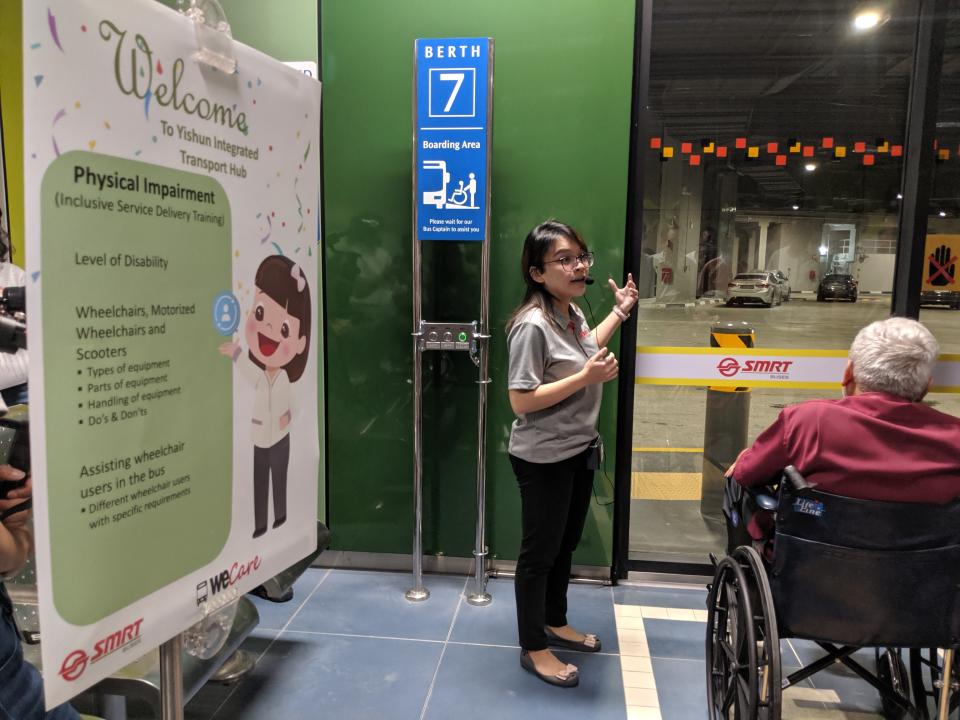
{"points": [[894, 356]]}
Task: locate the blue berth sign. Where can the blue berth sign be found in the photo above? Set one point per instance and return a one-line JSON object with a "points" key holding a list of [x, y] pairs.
{"points": [[452, 138]]}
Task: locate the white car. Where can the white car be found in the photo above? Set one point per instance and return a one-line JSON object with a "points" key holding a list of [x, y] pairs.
{"points": [[758, 286], [784, 284]]}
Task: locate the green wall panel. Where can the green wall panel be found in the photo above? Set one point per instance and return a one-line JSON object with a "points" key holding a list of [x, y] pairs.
{"points": [[562, 83]]}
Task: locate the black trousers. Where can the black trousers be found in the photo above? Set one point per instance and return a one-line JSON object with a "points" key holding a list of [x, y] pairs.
{"points": [[270, 464], [554, 500]]}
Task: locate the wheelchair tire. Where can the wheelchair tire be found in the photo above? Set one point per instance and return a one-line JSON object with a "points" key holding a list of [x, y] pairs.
{"points": [[731, 645], [928, 662], [768, 636], [892, 673]]}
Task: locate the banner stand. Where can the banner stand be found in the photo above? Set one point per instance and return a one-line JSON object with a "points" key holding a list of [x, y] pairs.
{"points": [[171, 679], [214, 48]]}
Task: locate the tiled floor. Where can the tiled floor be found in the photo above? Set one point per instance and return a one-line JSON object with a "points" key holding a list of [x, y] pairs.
{"points": [[349, 646]]}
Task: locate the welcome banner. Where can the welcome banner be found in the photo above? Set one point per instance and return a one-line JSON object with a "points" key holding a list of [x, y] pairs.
{"points": [[172, 229]]}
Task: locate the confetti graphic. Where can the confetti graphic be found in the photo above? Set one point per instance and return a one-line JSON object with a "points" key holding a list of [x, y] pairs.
{"points": [[35, 46], [38, 79], [306, 153], [35, 275], [56, 118], [146, 103], [279, 249], [269, 231], [52, 24]]}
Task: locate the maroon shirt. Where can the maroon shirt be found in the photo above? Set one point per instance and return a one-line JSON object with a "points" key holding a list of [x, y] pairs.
{"points": [[873, 446]]}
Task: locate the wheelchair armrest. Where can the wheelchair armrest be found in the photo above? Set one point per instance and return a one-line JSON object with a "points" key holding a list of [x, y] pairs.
{"points": [[796, 480]]}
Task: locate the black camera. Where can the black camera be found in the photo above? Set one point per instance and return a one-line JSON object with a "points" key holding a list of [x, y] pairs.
{"points": [[13, 319]]}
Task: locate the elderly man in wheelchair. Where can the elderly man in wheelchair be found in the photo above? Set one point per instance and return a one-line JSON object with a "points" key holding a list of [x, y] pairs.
{"points": [[856, 544]]}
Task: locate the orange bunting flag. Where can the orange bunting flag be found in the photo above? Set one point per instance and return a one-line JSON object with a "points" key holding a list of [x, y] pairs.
{"points": [[883, 147], [655, 143], [686, 148], [708, 148], [827, 143], [694, 159], [795, 148], [896, 150], [668, 152], [808, 150], [943, 154], [781, 160], [753, 152], [859, 147], [840, 151], [740, 143], [722, 151], [868, 159], [772, 148]]}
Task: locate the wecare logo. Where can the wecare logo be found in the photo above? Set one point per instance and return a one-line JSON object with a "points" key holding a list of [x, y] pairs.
{"points": [[76, 662], [226, 579], [137, 73], [728, 367]]}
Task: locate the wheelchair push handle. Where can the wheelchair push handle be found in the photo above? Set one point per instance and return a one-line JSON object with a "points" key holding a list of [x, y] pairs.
{"points": [[793, 477]]}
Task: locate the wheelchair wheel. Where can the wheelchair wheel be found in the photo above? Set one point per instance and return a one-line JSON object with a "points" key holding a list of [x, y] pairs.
{"points": [[928, 664], [742, 645], [892, 673], [768, 637]]}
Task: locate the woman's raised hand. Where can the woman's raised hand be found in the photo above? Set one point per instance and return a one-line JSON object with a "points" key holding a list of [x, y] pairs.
{"points": [[625, 297], [600, 368]]}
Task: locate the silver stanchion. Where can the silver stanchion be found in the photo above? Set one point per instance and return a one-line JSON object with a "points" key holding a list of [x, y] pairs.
{"points": [[171, 679], [418, 592]]}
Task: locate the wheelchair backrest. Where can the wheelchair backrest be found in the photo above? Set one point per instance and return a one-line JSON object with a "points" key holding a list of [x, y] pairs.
{"points": [[865, 572]]}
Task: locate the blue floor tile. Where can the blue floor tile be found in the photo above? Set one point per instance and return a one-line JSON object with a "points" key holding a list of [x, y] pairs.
{"points": [[692, 599], [211, 696], [589, 609], [275, 615], [676, 639], [310, 676], [681, 688], [355, 602], [479, 683]]}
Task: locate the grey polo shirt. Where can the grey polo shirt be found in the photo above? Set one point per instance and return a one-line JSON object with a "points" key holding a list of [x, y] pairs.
{"points": [[541, 352]]}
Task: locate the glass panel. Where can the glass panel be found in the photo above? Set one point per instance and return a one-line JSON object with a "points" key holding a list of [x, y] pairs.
{"points": [[776, 144], [940, 292]]}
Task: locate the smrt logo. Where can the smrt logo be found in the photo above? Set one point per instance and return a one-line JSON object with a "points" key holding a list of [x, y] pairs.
{"points": [[728, 367], [75, 664], [226, 579]]}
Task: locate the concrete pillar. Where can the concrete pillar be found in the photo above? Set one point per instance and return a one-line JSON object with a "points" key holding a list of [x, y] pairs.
{"points": [[762, 245]]}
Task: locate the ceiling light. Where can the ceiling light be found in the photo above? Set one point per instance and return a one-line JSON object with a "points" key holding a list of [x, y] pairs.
{"points": [[943, 213], [795, 207], [810, 167], [899, 196], [824, 249], [867, 19]]}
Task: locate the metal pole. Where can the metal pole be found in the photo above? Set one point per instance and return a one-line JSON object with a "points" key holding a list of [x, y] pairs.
{"points": [[418, 591], [171, 679], [479, 594], [918, 165]]}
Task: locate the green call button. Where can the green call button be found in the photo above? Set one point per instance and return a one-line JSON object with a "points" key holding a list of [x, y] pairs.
{"points": [[462, 337]]}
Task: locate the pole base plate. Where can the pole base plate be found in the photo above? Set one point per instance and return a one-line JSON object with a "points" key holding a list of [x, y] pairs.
{"points": [[417, 594], [480, 599]]}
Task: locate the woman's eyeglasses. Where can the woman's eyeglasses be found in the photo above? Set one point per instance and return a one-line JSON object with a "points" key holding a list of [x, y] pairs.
{"points": [[570, 263]]}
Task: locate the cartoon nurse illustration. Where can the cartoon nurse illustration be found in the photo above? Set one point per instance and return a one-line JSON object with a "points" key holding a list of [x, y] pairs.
{"points": [[277, 332]]}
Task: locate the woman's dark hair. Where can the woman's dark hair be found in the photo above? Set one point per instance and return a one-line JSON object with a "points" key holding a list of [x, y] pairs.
{"points": [[284, 282], [538, 243]]}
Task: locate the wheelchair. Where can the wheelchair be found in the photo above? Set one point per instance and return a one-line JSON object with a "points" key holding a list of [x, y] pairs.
{"points": [[847, 574]]}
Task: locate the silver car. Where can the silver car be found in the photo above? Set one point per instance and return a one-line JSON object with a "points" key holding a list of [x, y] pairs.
{"points": [[759, 286], [784, 281]]}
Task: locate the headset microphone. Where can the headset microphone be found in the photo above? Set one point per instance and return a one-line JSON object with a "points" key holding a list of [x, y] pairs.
{"points": [[588, 280]]}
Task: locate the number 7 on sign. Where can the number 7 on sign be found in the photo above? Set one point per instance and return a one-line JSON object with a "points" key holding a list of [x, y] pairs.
{"points": [[452, 77]]}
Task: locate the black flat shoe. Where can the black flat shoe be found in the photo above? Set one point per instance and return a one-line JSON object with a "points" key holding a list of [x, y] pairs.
{"points": [[571, 678], [583, 646]]}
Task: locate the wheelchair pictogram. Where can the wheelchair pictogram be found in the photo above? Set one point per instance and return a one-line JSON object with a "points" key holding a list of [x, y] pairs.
{"points": [[464, 197]]}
